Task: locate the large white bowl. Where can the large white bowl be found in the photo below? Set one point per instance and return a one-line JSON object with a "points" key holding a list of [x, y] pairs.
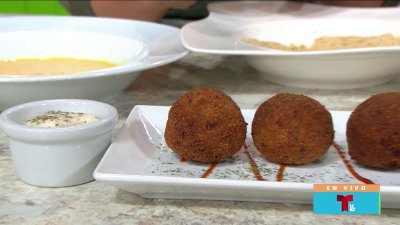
{"points": [[58, 157], [229, 24], [136, 45]]}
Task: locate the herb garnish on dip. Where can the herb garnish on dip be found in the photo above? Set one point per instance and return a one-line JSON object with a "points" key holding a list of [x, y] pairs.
{"points": [[61, 119]]}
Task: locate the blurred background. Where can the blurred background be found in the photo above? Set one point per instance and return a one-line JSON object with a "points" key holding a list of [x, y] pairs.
{"points": [[47, 7]]}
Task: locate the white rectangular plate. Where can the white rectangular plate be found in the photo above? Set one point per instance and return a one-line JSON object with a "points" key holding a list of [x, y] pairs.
{"points": [[138, 161]]}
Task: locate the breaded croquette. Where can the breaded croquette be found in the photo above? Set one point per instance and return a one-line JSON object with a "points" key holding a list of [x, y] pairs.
{"points": [[205, 125], [292, 129], [373, 132]]}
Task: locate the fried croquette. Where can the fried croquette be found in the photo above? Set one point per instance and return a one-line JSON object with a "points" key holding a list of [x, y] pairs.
{"points": [[205, 125], [292, 129], [373, 132]]}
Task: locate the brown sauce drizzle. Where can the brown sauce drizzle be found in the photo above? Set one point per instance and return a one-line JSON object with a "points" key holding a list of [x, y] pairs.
{"points": [[183, 160], [209, 170], [279, 175], [349, 166], [253, 163]]}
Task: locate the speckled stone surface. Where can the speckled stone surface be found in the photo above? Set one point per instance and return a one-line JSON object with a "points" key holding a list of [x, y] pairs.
{"points": [[95, 203]]}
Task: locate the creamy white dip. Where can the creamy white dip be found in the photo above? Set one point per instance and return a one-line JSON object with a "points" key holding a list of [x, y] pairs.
{"points": [[61, 119]]}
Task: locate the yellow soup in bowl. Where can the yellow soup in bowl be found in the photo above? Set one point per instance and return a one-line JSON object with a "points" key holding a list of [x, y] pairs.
{"points": [[50, 66]]}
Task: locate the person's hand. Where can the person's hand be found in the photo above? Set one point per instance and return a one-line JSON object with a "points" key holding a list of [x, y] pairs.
{"points": [[149, 10], [352, 3], [178, 4]]}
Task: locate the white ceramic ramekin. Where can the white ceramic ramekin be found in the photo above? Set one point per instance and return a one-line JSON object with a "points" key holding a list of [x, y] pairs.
{"points": [[58, 157]]}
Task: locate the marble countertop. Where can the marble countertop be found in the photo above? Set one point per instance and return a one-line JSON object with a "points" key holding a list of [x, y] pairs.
{"points": [[96, 203]]}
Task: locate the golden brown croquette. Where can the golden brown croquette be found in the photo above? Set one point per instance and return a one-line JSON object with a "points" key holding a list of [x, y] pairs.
{"points": [[292, 129], [205, 125], [373, 131]]}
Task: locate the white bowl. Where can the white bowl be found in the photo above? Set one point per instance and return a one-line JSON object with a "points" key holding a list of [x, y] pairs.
{"points": [[58, 157], [333, 69], [136, 45], [229, 24]]}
